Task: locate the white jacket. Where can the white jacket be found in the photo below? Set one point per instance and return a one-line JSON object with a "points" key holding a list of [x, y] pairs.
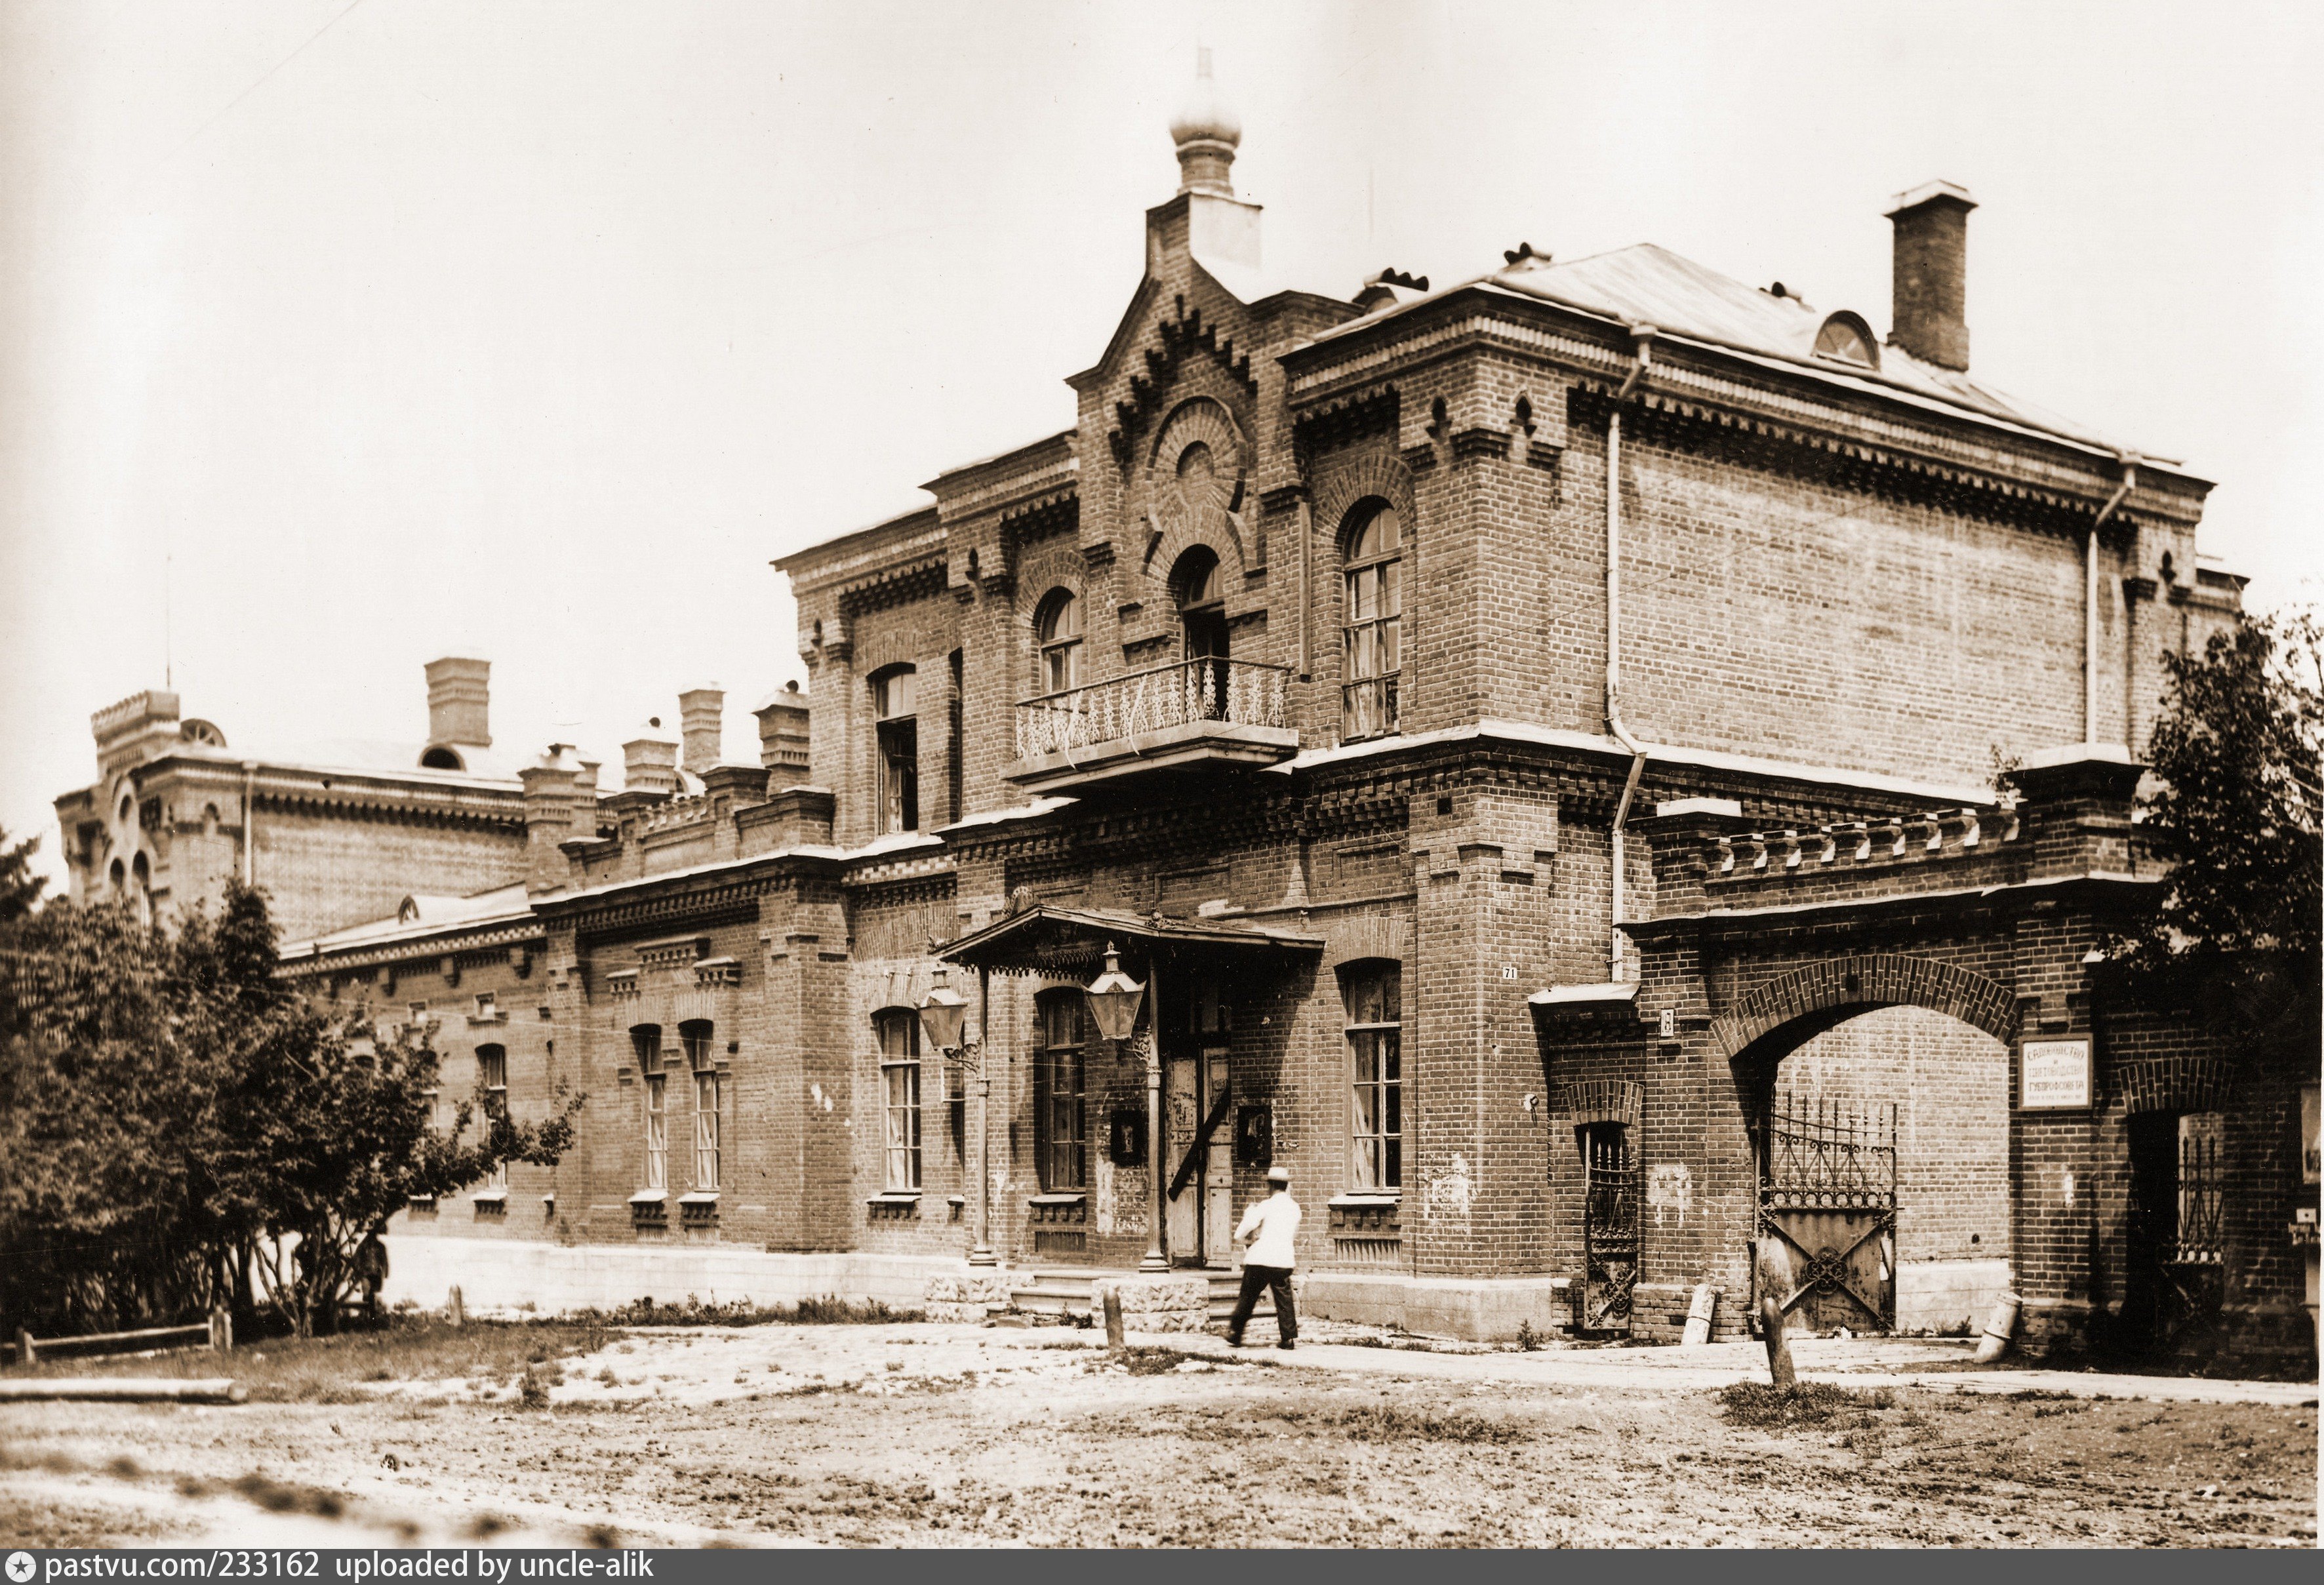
{"points": [[1276, 1218]]}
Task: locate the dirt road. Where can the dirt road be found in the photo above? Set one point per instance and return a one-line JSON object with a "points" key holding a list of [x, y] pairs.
{"points": [[935, 1435]]}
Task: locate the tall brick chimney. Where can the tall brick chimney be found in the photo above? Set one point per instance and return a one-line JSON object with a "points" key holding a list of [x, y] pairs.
{"points": [[459, 695], [702, 726], [782, 737], [650, 764], [552, 798], [1932, 273]]}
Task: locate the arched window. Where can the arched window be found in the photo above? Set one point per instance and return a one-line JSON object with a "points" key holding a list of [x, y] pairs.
{"points": [[440, 758], [1201, 594], [1060, 1121], [708, 1094], [899, 1029], [645, 1040], [1058, 629], [1373, 993], [894, 706], [119, 875], [1849, 340], [1373, 617]]}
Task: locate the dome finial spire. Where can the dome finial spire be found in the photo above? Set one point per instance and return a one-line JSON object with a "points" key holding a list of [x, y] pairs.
{"points": [[1207, 132]]}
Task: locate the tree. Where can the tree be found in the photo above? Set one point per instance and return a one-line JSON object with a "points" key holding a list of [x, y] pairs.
{"points": [[20, 889], [2236, 812], [174, 1119]]}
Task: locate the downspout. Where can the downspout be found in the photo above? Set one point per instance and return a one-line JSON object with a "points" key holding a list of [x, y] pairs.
{"points": [[1642, 336], [2129, 461], [249, 823]]}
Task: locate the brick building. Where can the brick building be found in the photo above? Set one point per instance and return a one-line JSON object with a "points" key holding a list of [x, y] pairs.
{"points": [[1534, 741], [337, 831]]}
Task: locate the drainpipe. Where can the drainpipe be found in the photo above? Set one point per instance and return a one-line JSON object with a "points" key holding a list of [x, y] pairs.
{"points": [[2129, 461], [249, 823], [1642, 336]]}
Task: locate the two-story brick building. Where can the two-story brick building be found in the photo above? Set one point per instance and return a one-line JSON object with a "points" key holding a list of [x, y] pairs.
{"points": [[1533, 742]]}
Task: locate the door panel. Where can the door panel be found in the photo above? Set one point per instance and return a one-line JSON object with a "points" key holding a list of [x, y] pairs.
{"points": [[1181, 1116], [1216, 1183]]}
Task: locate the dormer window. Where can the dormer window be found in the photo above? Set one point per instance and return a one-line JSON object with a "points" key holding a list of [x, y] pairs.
{"points": [[1846, 339], [440, 758]]}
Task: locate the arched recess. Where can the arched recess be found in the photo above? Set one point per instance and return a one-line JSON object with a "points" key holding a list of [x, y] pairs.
{"points": [[1197, 473], [1821, 995]]}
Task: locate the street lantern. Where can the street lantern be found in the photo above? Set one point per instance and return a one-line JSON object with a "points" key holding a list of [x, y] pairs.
{"points": [[1114, 998], [942, 1012]]}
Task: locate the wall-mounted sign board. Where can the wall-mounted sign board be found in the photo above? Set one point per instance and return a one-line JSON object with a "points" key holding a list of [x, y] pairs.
{"points": [[2053, 1075]]}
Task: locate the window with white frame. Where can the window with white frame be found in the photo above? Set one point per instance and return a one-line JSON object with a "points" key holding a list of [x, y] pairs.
{"points": [[899, 1030], [646, 1040], [709, 1087], [895, 708], [1372, 635], [1058, 627], [1373, 994]]}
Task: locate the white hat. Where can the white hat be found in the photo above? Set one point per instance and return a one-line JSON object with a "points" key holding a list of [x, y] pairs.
{"points": [[1278, 1174]]}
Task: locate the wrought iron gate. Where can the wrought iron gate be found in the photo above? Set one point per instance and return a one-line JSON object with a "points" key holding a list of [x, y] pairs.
{"points": [[1609, 1229], [1827, 1247], [2176, 1235]]}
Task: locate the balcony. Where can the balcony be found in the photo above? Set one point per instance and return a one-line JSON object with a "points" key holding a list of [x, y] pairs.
{"points": [[1186, 714]]}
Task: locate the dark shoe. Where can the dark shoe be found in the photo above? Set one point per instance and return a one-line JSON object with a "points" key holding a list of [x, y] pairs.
{"points": [[1286, 1343], [1234, 1342]]}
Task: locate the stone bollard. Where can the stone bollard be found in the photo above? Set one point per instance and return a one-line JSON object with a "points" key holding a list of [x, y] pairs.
{"points": [[24, 1355], [2001, 1326], [1113, 1318], [1699, 1315], [222, 1330], [456, 1309], [1779, 1352]]}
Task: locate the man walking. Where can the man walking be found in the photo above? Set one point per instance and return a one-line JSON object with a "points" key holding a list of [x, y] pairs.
{"points": [[1267, 1264]]}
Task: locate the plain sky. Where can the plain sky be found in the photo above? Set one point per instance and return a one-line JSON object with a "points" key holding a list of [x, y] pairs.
{"points": [[344, 336]]}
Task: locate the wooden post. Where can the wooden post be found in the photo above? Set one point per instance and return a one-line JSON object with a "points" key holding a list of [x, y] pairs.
{"points": [[24, 1355], [455, 1310], [1779, 1352], [222, 1330], [1113, 1318]]}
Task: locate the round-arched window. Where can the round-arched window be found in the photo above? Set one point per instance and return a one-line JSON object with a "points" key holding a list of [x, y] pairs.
{"points": [[119, 874], [1195, 581], [440, 758], [1057, 628], [1372, 621]]}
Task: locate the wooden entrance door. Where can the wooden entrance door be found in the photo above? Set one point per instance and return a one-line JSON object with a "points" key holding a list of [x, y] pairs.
{"points": [[1827, 1246], [1197, 1097]]}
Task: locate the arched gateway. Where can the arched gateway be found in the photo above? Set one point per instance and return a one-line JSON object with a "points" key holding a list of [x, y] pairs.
{"points": [[1871, 1076]]}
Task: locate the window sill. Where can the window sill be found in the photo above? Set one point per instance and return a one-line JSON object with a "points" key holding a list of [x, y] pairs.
{"points": [[1368, 1197], [490, 1197], [650, 1197], [896, 1197], [1059, 1197], [698, 1197]]}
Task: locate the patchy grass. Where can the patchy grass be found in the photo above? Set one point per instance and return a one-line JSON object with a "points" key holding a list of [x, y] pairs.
{"points": [[1396, 1422], [325, 1369], [1810, 1405], [828, 1310]]}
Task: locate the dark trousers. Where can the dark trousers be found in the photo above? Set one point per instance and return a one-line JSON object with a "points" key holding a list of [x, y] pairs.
{"points": [[1258, 1280]]}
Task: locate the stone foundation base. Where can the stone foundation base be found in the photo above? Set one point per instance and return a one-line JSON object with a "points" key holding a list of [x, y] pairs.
{"points": [[1475, 1309], [958, 1299], [1156, 1303]]}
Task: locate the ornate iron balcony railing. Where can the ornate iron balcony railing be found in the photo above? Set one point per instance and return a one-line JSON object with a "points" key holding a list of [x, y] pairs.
{"points": [[1235, 693]]}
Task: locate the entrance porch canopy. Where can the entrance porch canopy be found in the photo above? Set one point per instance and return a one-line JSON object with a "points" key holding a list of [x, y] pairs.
{"points": [[1071, 943]]}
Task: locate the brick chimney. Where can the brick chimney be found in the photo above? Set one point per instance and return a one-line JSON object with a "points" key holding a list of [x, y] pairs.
{"points": [[782, 737], [1930, 277], [702, 725], [459, 695], [650, 764], [552, 798]]}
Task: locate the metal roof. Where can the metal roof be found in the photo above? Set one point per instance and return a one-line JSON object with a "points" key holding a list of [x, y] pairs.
{"points": [[1647, 284]]}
